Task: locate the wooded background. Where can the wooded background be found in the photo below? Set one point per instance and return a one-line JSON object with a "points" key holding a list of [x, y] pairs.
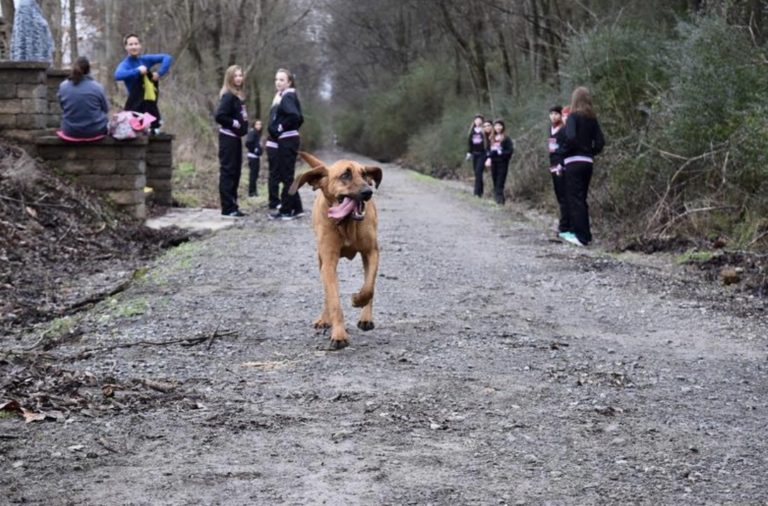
{"points": [[680, 87]]}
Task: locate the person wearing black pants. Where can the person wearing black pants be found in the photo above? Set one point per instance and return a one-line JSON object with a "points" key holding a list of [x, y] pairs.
{"points": [[478, 145], [233, 125], [285, 119], [557, 117], [500, 152], [253, 143], [583, 141], [273, 180]]}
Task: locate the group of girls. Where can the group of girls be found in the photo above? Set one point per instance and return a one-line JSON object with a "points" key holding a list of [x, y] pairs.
{"points": [[282, 144], [490, 147], [575, 138]]}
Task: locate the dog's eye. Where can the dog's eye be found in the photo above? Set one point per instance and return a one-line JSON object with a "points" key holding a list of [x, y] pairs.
{"points": [[347, 175]]}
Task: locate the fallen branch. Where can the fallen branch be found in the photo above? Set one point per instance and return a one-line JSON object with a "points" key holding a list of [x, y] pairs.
{"points": [[187, 341]]}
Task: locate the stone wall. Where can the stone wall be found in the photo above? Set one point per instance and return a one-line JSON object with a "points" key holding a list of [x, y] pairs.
{"points": [[117, 169], [29, 116]]}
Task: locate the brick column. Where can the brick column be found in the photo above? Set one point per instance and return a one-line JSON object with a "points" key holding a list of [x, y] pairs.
{"points": [[23, 100], [160, 168]]}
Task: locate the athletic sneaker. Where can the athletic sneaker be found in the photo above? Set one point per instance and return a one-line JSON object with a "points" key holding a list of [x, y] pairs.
{"points": [[234, 214], [299, 214], [571, 238], [277, 215]]}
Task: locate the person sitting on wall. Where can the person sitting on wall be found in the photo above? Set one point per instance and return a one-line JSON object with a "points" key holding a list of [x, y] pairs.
{"points": [[84, 106]]}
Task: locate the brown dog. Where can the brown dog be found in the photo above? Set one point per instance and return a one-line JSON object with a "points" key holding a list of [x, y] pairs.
{"points": [[344, 219]]}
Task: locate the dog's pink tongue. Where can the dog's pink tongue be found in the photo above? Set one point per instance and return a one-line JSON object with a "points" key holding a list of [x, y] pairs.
{"points": [[342, 210]]}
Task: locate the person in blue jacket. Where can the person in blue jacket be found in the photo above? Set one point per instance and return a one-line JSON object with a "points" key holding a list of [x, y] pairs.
{"points": [[141, 81], [84, 105]]}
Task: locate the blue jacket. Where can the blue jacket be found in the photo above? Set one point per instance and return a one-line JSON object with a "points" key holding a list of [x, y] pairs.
{"points": [[84, 108], [128, 69]]}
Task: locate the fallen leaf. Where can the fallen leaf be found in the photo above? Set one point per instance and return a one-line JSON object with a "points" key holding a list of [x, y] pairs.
{"points": [[31, 212], [75, 448], [31, 416]]}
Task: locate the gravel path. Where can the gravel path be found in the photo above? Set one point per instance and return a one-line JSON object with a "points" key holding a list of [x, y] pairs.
{"points": [[504, 368]]}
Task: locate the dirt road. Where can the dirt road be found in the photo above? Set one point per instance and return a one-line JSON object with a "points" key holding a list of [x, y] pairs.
{"points": [[504, 369]]}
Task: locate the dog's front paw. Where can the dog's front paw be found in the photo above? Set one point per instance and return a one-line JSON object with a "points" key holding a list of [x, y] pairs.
{"points": [[365, 325], [339, 344], [321, 324]]}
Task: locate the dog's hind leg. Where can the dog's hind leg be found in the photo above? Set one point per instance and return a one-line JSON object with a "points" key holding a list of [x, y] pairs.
{"points": [[364, 298]]}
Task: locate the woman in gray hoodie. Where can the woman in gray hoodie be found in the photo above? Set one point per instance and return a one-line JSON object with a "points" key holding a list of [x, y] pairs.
{"points": [[84, 105]]}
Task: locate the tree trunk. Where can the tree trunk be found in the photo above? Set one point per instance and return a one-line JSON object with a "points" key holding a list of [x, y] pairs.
{"points": [[756, 20], [8, 11], [52, 12], [73, 30]]}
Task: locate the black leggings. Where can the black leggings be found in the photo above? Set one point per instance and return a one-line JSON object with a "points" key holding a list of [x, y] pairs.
{"points": [[230, 167], [577, 176], [478, 165], [287, 152], [499, 169]]}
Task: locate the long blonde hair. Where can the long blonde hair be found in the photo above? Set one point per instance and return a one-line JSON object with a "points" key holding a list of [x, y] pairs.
{"points": [[581, 102], [229, 83]]}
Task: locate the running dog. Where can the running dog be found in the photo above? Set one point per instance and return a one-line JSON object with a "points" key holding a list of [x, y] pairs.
{"points": [[344, 220]]}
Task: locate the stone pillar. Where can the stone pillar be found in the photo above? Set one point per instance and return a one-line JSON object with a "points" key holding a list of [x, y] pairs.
{"points": [[116, 169], [54, 77], [160, 168], [23, 100]]}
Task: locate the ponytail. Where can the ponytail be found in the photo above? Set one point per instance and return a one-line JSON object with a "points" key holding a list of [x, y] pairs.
{"points": [[81, 68]]}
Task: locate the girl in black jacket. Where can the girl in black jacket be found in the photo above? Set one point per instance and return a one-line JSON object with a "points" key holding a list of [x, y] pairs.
{"points": [[583, 141], [253, 145], [500, 151], [557, 117], [285, 119], [478, 145], [233, 125]]}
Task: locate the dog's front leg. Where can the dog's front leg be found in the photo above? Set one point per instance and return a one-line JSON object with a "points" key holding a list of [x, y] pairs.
{"points": [[332, 302], [364, 298]]}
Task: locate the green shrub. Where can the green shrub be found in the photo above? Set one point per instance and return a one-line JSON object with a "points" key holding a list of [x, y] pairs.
{"points": [[624, 68]]}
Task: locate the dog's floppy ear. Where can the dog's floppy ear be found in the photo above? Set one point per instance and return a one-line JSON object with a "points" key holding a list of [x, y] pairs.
{"points": [[373, 173]]}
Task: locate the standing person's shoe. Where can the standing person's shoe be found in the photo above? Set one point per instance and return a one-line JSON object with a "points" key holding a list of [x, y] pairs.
{"points": [[571, 238], [277, 215], [298, 214], [234, 214]]}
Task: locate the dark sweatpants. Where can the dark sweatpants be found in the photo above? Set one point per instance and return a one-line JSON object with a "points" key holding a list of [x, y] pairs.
{"points": [[273, 180], [230, 167], [499, 169], [478, 165], [559, 183], [254, 165], [287, 152], [577, 176]]}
